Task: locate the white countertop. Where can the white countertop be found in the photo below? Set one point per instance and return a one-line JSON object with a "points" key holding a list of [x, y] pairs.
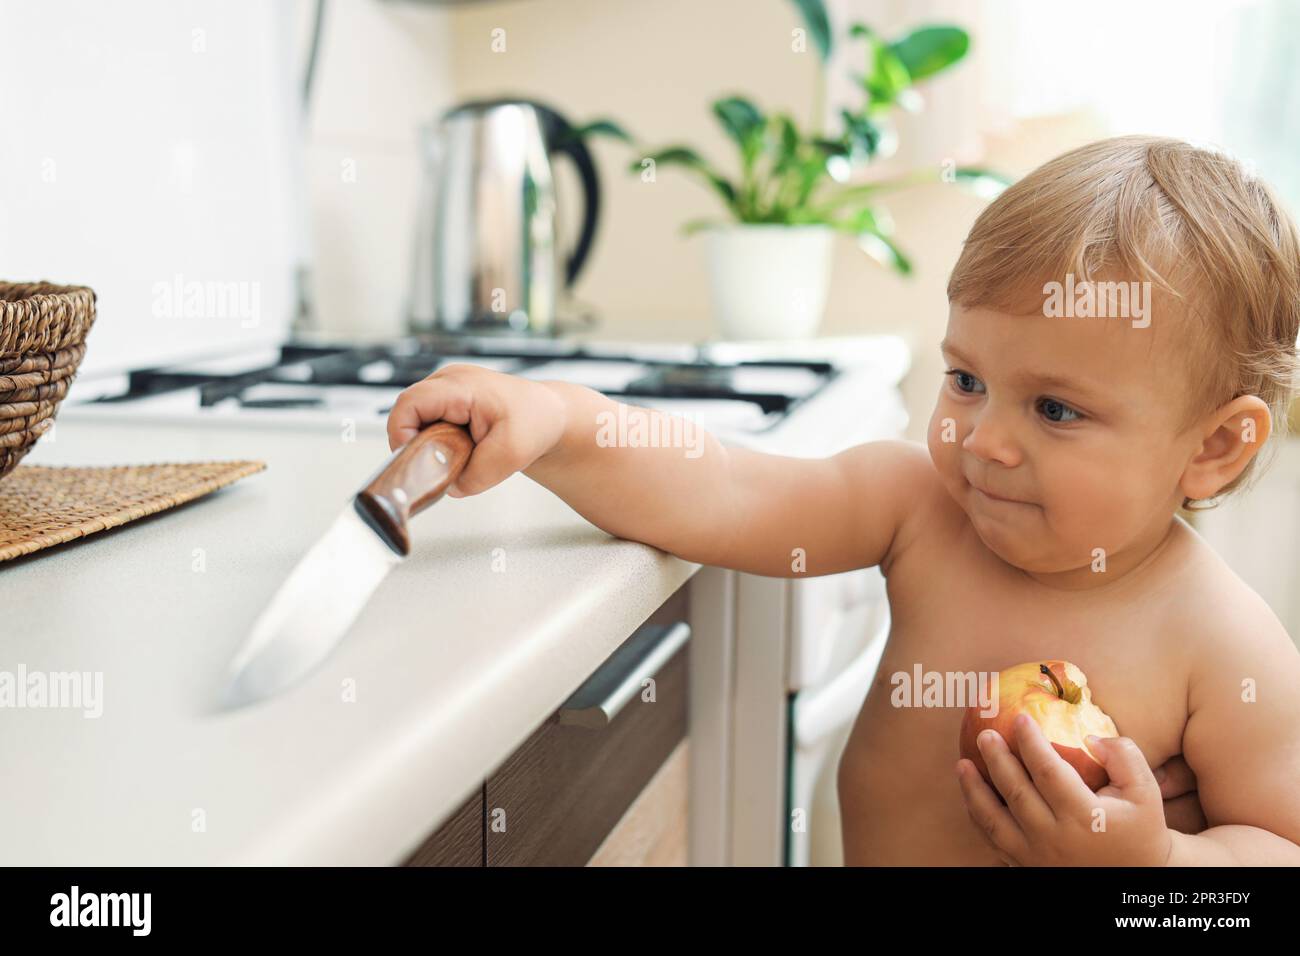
{"points": [[454, 664]]}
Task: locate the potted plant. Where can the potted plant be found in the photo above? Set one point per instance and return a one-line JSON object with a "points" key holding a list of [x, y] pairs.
{"points": [[769, 262]]}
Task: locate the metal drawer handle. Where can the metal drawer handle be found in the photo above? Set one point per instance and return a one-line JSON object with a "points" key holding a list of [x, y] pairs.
{"points": [[598, 701]]}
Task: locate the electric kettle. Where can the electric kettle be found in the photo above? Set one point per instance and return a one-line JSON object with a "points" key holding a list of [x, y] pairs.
{"points": [[486, 252]]}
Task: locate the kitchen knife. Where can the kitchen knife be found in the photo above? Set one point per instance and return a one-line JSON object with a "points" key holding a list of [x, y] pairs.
{"points": [[325, 592]]}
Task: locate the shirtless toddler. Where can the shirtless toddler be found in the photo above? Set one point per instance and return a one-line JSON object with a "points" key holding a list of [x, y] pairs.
{"points": [[1041, 523]]}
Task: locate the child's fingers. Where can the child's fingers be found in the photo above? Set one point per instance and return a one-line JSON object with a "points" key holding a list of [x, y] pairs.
{"points": [[1175, 777], [987, 812], [1008, 773], [426, 402], [493, 460], [1124, 763], [1058, 782], [1185, 814]]}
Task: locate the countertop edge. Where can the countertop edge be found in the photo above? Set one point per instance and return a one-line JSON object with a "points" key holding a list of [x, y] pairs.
{"points": [[383, 813]]}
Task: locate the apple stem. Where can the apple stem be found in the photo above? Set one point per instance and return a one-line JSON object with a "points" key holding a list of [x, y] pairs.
{"points": [[1056, 684]]}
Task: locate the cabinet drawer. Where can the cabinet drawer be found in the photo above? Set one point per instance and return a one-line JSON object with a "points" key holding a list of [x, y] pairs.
{"points": [[556, 798], [459, 841], [653, 832]]}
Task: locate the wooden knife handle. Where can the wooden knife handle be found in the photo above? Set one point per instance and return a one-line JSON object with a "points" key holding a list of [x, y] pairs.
{"points": [[416, 476]]}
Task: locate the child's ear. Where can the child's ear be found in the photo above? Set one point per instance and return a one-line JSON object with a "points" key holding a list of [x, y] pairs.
{"points": [[1231, 437]]}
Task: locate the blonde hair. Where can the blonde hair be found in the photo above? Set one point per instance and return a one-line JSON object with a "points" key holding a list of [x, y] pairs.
{"points": [[1192, 221]]}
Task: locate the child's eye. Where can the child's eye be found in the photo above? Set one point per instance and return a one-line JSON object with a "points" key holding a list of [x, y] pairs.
{"points": [[965, 382], [1057, 412]]}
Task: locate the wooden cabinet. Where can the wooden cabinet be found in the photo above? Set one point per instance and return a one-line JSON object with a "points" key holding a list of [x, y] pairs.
{"points": [[555, 800], [459, 841], [558, 796], [654, 831]]}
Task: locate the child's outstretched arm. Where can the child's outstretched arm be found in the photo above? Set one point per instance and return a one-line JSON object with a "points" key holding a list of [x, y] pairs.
{"points": [[648, 476]]}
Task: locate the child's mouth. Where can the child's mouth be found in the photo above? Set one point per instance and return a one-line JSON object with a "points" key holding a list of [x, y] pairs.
{"points": [[991, 496]]}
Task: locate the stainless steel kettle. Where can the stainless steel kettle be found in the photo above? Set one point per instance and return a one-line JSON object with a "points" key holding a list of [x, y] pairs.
{"points": [[486, 254]]}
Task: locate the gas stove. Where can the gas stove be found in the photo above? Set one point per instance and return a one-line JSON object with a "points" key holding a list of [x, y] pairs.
{"points": [[721, 386]]}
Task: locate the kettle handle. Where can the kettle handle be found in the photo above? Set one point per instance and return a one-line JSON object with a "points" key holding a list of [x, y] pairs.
{"points": [[560, 139]]}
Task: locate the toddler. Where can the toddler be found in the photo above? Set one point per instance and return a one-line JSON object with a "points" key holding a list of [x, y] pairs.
{"points": [[1120, 344]]}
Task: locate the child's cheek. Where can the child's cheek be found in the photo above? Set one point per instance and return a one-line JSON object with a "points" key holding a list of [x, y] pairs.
{"points": [[943, 437]]}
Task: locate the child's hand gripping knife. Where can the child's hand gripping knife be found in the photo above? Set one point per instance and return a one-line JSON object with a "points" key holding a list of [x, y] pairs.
{"points": [[647, 476]]}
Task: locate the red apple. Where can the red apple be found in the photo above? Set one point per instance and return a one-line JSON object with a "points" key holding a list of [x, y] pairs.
{"points": [[1056, 695]]}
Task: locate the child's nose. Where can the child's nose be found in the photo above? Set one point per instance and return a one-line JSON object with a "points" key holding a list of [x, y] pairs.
{"points": [[992, 438]]}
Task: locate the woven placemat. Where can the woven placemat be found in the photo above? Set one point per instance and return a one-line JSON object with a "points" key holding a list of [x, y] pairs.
{"points": [[43, 506]]}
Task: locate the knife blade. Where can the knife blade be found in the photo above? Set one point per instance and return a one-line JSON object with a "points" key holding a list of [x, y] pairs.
{"points": [[316, 605]]}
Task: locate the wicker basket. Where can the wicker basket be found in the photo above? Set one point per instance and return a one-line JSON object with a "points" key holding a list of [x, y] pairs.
{"points": [[42, 339]]}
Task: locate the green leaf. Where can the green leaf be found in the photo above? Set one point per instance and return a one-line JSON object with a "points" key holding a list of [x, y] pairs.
{"points": [[789, 136], [743, 122], [692, 226], [862, 134], [872, 233], [671, 156], [687, 157], [836, 160], [863, 220], [785, 144], [832, 147], [982, 182], [886, 77], [930, 50], [818, 23], [885, 251], [601, 127]]}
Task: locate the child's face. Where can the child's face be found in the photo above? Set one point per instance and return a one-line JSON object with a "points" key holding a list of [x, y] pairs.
{"points": [[1076, 420]]}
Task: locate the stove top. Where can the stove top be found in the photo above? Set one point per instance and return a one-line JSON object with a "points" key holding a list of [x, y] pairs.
{"points": [[327, 383]]}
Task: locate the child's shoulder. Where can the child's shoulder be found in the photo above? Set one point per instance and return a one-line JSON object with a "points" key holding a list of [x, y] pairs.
{"points": [[1225, 625], [1242, 735], [905, 481]]}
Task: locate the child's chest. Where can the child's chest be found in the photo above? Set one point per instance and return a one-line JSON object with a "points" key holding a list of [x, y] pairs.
{"points": [[975, 621]]}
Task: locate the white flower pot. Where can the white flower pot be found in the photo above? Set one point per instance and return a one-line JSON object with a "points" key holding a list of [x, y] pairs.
{"points": [[768, 281]]}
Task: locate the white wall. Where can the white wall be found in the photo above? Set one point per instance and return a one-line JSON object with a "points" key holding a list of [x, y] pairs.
{"points": [[143, 141], [384, 70]]}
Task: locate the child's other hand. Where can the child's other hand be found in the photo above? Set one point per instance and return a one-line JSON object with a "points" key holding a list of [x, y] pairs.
{"points": [[1051, 818], [1183, 810], [513, 421]]}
